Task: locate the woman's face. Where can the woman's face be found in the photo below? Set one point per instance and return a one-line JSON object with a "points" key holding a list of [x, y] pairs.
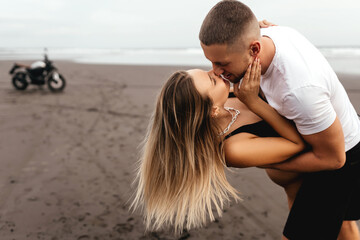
{"points": [[208, 84]]}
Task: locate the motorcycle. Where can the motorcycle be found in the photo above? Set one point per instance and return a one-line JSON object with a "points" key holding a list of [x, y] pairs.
{"points": [[38, 73]]}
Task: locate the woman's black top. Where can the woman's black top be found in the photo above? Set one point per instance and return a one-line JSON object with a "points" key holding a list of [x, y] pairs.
{"points": [[261, 129]]}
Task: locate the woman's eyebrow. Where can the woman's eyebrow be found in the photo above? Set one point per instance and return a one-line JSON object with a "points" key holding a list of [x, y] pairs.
{"points": [[212, 79]]}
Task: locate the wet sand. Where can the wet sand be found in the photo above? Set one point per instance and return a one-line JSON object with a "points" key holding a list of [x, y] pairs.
{"points": [[68, 160]]}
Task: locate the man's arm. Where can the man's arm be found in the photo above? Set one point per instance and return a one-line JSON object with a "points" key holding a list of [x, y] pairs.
{"points": [[328, 152]]}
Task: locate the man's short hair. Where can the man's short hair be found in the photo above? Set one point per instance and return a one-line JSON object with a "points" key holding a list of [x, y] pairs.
{"points": [[226, 22]]}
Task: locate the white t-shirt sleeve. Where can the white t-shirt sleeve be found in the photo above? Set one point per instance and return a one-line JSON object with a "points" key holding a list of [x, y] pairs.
{"points": [[310, 108]]}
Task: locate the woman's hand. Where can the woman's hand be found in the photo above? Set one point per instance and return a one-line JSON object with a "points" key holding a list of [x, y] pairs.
{"points": [[247, 90], [265, 24]]}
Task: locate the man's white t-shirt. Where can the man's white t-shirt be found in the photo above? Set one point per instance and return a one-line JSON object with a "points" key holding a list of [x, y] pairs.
{"points": [[301, 85]]}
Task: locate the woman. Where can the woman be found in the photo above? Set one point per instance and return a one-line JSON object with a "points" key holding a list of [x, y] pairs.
{"points": [[181, 172]]}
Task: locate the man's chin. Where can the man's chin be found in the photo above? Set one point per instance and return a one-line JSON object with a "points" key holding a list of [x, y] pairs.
{"points": [[235, 79]]}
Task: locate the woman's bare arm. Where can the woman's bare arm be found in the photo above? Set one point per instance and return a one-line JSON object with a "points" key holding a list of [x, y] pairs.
{"points": [[247, 150]]}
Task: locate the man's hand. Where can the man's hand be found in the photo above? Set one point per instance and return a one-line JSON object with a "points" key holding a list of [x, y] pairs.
{"points": [[264, 24]]}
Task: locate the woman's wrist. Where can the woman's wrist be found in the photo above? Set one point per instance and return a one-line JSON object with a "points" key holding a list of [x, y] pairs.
{"points": [[255, 104]]}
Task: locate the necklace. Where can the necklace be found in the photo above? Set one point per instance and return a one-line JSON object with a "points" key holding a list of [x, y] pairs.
{"points": [[237, 112]]}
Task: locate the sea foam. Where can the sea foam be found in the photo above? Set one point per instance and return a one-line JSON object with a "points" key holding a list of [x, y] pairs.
{"points": [[342, 59]]}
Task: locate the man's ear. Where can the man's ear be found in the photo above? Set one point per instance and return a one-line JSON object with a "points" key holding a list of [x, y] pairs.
{"points": [[215, 111], [255, 48]]}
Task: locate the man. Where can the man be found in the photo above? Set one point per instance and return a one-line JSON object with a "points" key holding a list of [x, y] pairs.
{"points": [[299, 83]]}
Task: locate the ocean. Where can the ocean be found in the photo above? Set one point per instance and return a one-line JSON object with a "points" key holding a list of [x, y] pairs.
{"points": [[342, 59]]}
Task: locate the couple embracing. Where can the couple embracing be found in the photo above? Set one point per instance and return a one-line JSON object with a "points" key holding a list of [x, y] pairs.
{"points": [[289, 115]]}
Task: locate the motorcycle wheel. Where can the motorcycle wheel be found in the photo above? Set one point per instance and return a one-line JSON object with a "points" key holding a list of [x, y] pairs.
{"points": [[56, 82], [19, 81]]}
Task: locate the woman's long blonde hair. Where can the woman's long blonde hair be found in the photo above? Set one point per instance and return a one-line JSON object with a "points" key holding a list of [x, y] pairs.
{"points": [[181, 171]]}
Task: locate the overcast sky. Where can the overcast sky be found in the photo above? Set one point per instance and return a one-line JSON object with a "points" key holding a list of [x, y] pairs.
{"points": [[161, 23]]}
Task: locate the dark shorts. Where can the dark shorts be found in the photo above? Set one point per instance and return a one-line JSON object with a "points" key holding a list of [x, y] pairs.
{"points": [[324, 200]]}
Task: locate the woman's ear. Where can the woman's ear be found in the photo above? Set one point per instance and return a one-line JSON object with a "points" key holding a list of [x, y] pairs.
{"points": [[215, 111]]}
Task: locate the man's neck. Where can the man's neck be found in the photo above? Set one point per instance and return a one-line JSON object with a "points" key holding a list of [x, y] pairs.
{"points": [[267, 53]]}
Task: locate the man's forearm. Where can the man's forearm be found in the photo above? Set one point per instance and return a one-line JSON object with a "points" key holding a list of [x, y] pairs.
{"points": [[305, 162]]}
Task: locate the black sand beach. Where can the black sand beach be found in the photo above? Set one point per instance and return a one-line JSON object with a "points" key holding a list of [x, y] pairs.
{"points": [[67, 160]]}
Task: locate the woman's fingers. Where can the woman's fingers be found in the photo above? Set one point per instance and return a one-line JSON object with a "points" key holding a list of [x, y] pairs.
{"points": [[246, 77], [257, 73], [248, 88], [253, 70], [259, 70], [254, 74], [264, 24]]}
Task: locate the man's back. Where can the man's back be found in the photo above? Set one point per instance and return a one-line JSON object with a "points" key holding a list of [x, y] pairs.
{"points": [[301, 85]]}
